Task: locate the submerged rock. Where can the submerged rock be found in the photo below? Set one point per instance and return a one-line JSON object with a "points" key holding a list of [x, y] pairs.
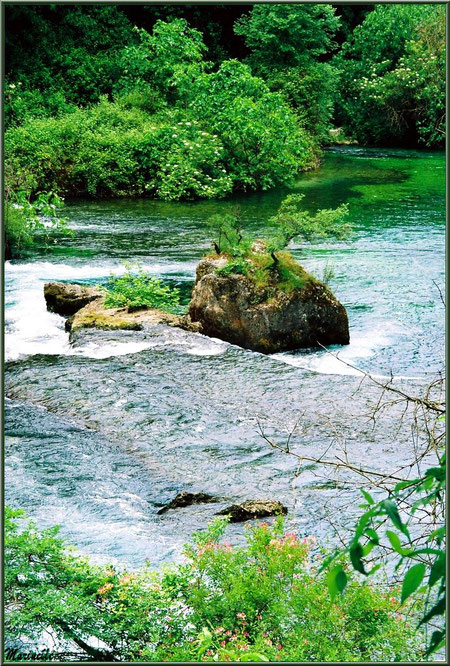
{"points": [[253, 509], [270, 318], [188, 499], [66, 299]]}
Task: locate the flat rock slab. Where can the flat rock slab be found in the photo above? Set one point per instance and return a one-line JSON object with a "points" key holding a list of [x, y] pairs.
{"points": [[85, 308], [253, 509], [188, 499]]}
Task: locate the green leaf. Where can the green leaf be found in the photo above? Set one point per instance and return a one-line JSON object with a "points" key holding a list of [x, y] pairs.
{"points": [[367, 496], [395, 542], [412, 580], [437, 473], [391, 509], [406, 484], [438, 609], [438, 535], [437, 570], [373, 536], [356, 554], [336, 581], [255, 656], [437, 640], [368, 548], [360, 527]]}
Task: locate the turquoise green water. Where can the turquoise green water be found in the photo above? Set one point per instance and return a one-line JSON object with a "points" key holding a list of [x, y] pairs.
{"points": [[100, 434]]}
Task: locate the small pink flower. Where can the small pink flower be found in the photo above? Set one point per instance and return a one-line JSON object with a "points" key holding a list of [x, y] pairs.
{"points": [[241, 615]]}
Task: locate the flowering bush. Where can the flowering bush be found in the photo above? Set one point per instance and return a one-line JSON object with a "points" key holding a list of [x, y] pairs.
{"points": [[191, 164], [263, 601], [392, 73]]}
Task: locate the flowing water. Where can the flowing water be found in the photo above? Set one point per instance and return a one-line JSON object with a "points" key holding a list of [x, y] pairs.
{"points": [[102, 433]]}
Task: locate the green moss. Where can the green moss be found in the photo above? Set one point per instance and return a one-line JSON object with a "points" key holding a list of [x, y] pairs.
{"points": [[104, 321], [284, 275]]}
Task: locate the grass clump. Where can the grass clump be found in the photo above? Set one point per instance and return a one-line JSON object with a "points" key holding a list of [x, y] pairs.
{"points": [[138, 290], [266, 600]]}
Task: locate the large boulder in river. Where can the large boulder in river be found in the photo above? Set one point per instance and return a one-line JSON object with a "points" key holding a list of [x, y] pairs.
{"points": [[66, 299], [267, 315]]}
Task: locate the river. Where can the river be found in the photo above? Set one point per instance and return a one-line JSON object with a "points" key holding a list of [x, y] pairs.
{"points": [[99, 435]]}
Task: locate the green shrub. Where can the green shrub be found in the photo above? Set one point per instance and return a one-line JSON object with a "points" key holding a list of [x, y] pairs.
{"points": [[190, 162], [176, 131], [89, 151], [264, 145], [286, 41], [263, 601], [139, 290]]}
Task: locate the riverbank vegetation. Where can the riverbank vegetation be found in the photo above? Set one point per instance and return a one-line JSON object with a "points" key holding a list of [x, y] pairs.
{"points": [[186, 103], [262, 601], [160, 101]]}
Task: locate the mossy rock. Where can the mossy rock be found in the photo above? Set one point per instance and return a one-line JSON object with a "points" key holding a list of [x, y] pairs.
{"points": [[272, 308]]}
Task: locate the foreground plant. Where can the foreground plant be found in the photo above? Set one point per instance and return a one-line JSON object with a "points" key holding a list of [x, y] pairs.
{"points": [[263, 601], [401, 529]]}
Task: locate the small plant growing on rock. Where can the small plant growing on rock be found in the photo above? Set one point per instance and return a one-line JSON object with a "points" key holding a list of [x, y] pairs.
{"points": [[268, 262], [137, 290], [293, 222]]}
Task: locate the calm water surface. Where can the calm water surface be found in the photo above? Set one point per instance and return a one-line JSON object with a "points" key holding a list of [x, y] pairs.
{"points": [[101, 433]]}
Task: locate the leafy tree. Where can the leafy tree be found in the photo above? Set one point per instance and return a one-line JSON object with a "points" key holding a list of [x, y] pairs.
{"points": [[287, 43], [287, 35], [263, 145], [60, 56], [266, 262], [392, 73], [163, 57], [293, 222]]}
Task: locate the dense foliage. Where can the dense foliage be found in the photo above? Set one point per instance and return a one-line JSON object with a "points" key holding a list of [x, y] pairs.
{"points": [[177, 130], [136, 289], [392, 73], [287, 43], [263, 601], [420, 558], [173, 103]]}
